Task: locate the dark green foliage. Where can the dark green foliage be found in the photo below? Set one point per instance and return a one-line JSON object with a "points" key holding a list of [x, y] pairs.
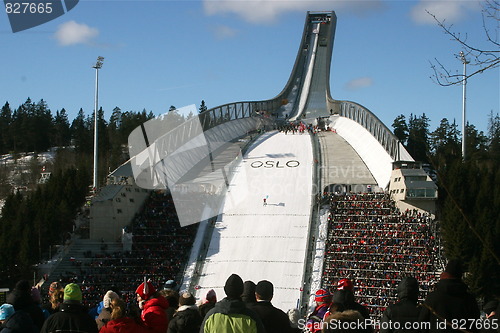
{"points": [[494, 136], [61, 135], [5, 130], [470, 218], [81, 133], [400, 128], [444, 142], [203, 106], [418, 137], [32, 222], [476, 143]]}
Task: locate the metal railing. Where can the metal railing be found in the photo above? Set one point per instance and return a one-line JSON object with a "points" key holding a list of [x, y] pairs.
{"points": [[371, 123]]}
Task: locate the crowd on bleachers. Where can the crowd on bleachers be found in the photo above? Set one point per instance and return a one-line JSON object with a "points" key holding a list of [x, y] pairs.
{"points": [[160, 250], [372, 243]]}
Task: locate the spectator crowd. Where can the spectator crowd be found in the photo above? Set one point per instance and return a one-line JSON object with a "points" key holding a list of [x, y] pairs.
{"points": [[160, 250], [246, 308], [380, 264], [370, 242]]}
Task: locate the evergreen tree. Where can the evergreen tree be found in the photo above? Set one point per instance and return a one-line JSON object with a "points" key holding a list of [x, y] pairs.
{"points": [[115, 141], [40, 126], [19, 127], [444, 143], [400, 128], [418, 137], [81, 134], [494, 136], [62, 129], [476, 143], [203, 107], [5, 128]]}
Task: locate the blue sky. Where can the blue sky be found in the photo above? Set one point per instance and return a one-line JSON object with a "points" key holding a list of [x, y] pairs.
{"points": [[162, 53]]}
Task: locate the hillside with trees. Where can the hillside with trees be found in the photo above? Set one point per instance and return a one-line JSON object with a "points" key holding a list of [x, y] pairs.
{"points": [[37, 216], [469, 191]]}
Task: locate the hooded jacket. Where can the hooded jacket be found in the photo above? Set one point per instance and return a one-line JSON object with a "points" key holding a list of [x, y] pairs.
{"points": [[123, 325], [231, 316], [154, 316], [450, 300], [352, 317], [406, 310], [344, 300], [187, 319]]}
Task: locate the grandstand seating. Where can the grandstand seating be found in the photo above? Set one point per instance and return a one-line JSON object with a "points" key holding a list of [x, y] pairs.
{"points": [[160, 250], [375, 245]]}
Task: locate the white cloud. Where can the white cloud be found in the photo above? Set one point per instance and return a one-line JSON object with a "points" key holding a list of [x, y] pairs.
{"points": [[266, 11], [71, 33], [359, 83], [223, 31], [448, 10]]}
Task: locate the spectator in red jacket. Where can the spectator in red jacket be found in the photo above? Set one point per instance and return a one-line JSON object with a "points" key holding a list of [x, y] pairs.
{"points": [[153, 306]]}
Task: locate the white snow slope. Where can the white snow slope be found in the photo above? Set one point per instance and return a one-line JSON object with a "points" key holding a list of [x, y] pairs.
{"points": [[267, 242]]}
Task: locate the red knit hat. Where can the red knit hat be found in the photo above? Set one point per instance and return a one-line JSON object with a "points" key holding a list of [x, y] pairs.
{"points": [[145, 290], [345, 284]]}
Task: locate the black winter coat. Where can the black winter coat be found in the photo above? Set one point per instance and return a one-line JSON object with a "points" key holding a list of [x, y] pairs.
{"points": [[72, 317], [19, 322], [187, 319], [406, 310], [273, 319], [450, 300], [22, 300], [204, 308]]}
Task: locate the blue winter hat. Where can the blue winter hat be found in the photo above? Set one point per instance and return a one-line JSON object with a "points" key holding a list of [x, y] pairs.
{"points": [[6, 310], [170, 285]]}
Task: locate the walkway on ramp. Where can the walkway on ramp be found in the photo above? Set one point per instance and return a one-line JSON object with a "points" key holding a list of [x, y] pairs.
{"points": [[341, 164], [265, 242]]}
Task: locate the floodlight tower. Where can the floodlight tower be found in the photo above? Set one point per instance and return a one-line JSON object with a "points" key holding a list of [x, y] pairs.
{"points": [[97, 66], [464, 98]]}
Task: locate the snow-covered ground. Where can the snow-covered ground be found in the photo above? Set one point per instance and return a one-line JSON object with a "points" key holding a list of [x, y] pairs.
{"points": [[25, 158], [265, 242], [20, 164]]}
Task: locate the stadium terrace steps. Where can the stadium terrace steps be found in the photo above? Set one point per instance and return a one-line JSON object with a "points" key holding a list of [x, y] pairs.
{"points": [[340, 162], [75, 256]]}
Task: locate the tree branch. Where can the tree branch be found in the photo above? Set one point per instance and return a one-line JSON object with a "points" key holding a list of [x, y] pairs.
{"points": [[485, 59]]}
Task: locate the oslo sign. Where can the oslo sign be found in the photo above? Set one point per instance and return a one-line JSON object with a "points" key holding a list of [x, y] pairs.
{"points": [[26, 14], [275, 164]]}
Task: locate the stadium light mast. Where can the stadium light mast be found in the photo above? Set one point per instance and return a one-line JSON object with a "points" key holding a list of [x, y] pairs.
{"points": [[464, 99], [97, 66]]}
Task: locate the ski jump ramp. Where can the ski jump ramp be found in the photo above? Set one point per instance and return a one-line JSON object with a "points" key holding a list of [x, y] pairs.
{"points": [[265, 241], [274, 241]]}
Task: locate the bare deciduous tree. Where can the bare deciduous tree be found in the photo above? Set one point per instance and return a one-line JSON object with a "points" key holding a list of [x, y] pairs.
{"points": [[481, 59]]}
